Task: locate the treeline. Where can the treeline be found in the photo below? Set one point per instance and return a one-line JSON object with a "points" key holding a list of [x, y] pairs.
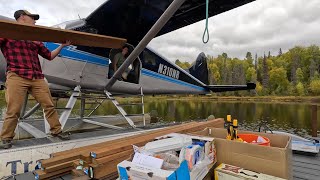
{"points": [[294, 73]]}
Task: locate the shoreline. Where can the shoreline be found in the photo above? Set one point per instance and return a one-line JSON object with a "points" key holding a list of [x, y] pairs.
{"points": [[259, 99], [284, 99]]}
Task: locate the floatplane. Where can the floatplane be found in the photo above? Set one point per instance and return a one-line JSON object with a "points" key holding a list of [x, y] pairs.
{"points": [[81, 70]]}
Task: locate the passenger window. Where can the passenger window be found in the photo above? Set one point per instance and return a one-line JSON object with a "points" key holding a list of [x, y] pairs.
{"points": [[149, 58]]}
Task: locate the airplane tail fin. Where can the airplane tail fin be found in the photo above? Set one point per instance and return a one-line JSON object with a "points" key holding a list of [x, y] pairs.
{"points": [[199, 69]]}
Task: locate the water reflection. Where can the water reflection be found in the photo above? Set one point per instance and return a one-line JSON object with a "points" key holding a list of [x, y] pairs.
{"points": [[293, 118]]}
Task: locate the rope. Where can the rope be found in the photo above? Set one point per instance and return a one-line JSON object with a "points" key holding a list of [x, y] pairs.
{"points": [[206, 31]]}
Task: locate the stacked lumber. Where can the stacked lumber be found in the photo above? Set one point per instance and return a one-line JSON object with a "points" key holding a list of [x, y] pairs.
{"points": [[99, 161]]}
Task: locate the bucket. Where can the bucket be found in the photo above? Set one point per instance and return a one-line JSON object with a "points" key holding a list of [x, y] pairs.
{"points": [[253, 139]]}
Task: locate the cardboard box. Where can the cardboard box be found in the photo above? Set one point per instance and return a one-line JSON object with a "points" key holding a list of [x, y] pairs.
{"points": [[129, 170], [275, 160], [136, 171], [209, 150], [229, 172]]}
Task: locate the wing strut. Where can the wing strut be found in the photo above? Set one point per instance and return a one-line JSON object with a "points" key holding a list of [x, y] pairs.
{"points": [[174, 6]]}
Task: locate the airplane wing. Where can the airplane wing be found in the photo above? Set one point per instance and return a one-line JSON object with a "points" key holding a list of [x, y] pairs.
{"points": [[132, 19]]}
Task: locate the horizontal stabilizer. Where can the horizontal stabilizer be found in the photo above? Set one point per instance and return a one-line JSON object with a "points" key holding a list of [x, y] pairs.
{"points": [[224, 88]]}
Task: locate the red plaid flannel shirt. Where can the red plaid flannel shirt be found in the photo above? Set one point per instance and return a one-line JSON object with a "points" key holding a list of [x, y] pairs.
{"points": [[22, 57]]}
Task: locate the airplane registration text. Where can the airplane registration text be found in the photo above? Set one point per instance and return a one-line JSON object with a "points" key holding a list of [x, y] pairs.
{"points": [[168, 71]]}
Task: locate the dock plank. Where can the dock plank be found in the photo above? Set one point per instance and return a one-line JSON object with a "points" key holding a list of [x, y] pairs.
{"points": [[300, 165], [306, 167]]}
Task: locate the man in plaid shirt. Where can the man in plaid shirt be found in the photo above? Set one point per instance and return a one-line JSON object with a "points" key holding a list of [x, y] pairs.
{"points": [[24, 74]]}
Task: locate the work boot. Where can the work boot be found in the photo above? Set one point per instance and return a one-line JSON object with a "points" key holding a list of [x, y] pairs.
{"points": [[6, 144], [62, 135]]}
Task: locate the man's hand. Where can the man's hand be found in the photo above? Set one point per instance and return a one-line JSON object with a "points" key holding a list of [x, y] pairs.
{"points": [[67, 43], [55, 52]]}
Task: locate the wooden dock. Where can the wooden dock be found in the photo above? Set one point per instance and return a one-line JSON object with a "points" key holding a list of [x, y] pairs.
{"points": [[306, 167], [43, 146]]}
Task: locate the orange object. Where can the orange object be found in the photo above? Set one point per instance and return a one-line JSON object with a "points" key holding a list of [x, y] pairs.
{"points": [[253, 139]]}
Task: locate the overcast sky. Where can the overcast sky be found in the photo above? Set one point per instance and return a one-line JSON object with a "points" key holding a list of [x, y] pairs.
{"points": [[262, 26]]}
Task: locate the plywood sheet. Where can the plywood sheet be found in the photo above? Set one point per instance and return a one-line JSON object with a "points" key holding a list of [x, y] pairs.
{"points": [[14, 30]]}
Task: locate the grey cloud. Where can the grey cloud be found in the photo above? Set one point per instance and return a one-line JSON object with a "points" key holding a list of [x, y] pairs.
{"points": [[52, 12], [258, 27]]}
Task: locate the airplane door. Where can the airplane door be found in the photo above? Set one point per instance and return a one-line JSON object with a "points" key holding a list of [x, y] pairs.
{"points": [[132, 74], [94, 66]]}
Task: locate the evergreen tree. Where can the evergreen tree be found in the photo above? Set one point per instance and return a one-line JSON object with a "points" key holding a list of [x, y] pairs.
{"points": [[280, 52], [224, 72], [313, 67], [265, 73], [256, 62], [294, 68], [295, 72], [249, 58]]}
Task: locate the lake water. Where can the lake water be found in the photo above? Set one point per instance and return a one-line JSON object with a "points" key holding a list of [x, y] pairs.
{"points": [[290, 117]]}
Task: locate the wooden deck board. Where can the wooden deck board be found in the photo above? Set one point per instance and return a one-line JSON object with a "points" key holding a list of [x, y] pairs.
{"points": [[306, 167]]}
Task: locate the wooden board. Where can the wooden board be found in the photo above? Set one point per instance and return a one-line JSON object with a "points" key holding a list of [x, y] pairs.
{"points": [[143, 139], [14, 30], [139, 141], [112, 157], [117, 150], [119, 143], [107, 169], [107, 143], [59, 160], [43, 175], [59, 167], [85, 151]]}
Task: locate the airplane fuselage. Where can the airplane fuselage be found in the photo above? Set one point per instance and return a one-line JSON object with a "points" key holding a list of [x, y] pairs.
{"points": [[154, 74], [89, 67], [73, 67]]}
